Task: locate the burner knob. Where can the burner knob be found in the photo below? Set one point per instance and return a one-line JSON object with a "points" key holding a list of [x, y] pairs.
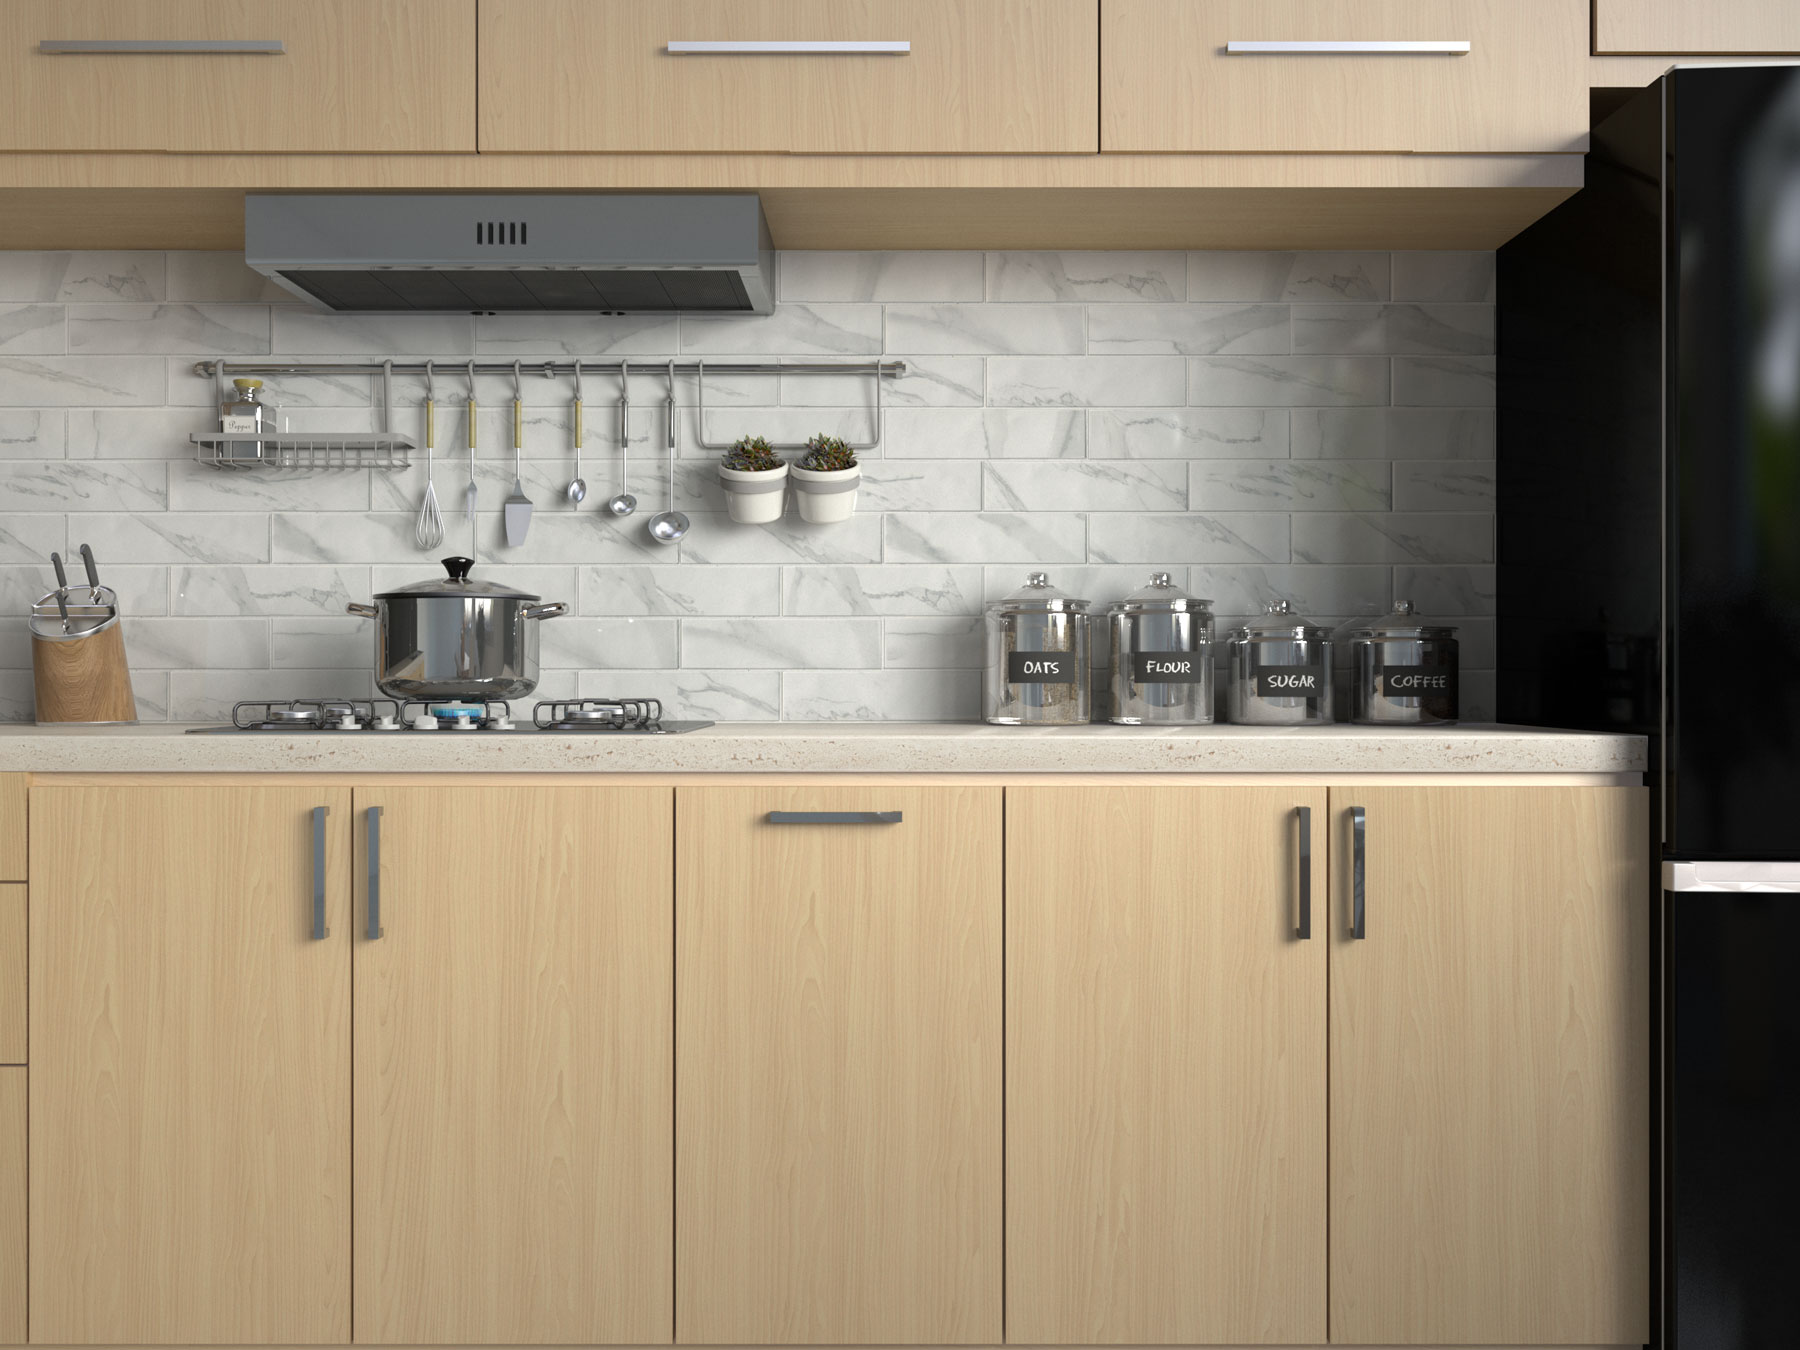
{"points": [[462, 723], [424, 722], [501, 722], [347, 722], [386, 723]]}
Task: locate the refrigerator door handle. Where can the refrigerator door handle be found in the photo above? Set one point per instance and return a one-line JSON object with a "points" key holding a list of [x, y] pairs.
{"points": [[1773, 877]]}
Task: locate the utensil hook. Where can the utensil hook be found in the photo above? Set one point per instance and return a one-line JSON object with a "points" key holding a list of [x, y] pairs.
{"points": [[624, 421]]}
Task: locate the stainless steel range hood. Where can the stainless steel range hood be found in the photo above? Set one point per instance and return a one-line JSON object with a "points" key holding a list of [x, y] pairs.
{"points": [[515, 252]]}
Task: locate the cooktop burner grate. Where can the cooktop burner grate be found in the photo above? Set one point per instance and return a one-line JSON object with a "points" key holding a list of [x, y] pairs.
{"points": [[642, 716]]}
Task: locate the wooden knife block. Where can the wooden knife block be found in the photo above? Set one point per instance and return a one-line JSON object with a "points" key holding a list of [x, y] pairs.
{"points": [[83, 679]]}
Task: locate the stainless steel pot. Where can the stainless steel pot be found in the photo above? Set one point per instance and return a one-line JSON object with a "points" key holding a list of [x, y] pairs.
{"points": [[454, 638]]}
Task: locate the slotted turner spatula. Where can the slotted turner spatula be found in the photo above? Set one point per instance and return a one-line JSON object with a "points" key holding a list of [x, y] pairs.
{"points": [[516, 510]]}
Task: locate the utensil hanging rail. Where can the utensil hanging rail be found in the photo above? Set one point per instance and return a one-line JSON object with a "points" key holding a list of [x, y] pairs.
{"points": [[550, 370]]}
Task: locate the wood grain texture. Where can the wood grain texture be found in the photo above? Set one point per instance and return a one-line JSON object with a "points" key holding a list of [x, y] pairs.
{"points": [[14, 1204], [838, 1103], [190, 1080], [1168, 84], [983, 76], [1489, 1111], [514, 1177], [13, 851], [1683, 27], [1165, 1068], [13, 965], [368, 75], [86, 680]]}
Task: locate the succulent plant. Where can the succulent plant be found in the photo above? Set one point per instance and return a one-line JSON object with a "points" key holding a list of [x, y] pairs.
{"points": [[752, 454], [825, 454]]}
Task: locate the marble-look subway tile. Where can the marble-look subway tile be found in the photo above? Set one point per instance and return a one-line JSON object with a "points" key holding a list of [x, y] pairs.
{"points": [[279, 590], [780, 644], [1477, 691], [1185, 539], [1287, 381], [715, 539], [31, 538], [32, 330], [554, 582], [195, 487], [1195, 433], [1189, 330], [199, 644], [1393, 433], [17, 699], [353, 537], [1089, 276], [929, 382], [884, 695], [135, 433], [1444, 485], [1087, 381], [1446, 276], [986, 330], [989, 536], [141, 590], [1291, 485], [957, 642], [920, 485], [311, 644], [1288, 276], [1397, 537], [169, 329], [303, 331], [617, 642], [985, 433], [80, 381], [710, 695], [792, 330], [208, 695], [219, 277], [1312, 591], [33, 433], [83, 485], [189, 389], [567, 335], [1447, 590], [779, 426], [1084, 485], [82, 277], [680, 590], [940, 275], [176, 536], [887, 590], [1393, 330], [1439, 381]]}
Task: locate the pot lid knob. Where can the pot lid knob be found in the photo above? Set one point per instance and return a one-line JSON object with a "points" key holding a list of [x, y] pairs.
{"points": [[458, 568]]}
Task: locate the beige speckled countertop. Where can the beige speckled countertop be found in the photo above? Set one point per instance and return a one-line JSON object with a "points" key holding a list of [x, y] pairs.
{"points": [[857, 747]]}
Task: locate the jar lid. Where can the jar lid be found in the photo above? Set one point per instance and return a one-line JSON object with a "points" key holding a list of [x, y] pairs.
{"points": [[1159, 595], [1402, 623], [245, 386], [1278, 623], [1038, 596], [458, 585]]}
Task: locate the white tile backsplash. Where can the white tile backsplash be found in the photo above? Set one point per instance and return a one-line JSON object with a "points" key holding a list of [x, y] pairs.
{"points": [[1316, 427]]}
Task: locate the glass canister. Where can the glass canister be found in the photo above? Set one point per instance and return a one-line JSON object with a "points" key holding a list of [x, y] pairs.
{"points": [[1280, 670], [1162, 656], [1037, 658], [1403, 672]]}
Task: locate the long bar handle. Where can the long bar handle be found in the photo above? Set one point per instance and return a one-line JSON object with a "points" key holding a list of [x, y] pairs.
{"points": [[319, 931], [790, 48], [1346, 48], [375, 929], [1303, 822], [834, 817], [1359, 822], [162, 47]]}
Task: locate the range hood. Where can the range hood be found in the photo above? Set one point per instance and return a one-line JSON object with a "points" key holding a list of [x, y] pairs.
{"points": [[586, 253]]}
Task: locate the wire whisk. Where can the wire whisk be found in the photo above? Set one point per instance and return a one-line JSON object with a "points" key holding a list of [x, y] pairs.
{"points": [[430, 530]]}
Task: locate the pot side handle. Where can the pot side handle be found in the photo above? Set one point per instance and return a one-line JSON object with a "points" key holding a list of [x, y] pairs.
{"points": [[365, 611], [548, 611]]}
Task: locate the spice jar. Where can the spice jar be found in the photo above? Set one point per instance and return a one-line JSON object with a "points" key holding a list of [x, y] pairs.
{"points": [[1280, 670], [1403, 672], [1037, 657], [1162, 656]]}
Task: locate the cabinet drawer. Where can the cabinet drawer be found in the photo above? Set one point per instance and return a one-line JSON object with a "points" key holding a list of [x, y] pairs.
{"points": [[981, 76], [1170, 82], [12, 827], [1684, 27], [351, 75], [13, 1202]]}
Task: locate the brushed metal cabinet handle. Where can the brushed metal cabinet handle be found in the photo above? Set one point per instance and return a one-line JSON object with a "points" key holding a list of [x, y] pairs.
{"points": [[162, 47], [1303, 818], [834, 817], [789, 48], [319, 931], [375, 929], [1341, 48], [1359, 822]]}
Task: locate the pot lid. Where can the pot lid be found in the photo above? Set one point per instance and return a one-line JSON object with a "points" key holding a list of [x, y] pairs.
{"points": [[1159, 595], [458, 585], [1402, 623], [1038, 596], [1278, 622]]}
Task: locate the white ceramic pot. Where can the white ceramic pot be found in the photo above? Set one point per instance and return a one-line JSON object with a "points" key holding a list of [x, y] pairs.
{"points": [[826, 495], [755, 498]]}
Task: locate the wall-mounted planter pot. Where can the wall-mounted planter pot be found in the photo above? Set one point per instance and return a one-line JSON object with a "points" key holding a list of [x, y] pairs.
{"points": [[826, 495], [755, 498]]}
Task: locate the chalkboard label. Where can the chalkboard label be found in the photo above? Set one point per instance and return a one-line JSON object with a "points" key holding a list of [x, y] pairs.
{"points": [[1290, 681], [1040, 668], [1169, 667], [1418, 681]]}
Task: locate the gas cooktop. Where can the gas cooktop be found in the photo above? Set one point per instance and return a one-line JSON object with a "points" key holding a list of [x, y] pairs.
{"points": [[601, 716]]}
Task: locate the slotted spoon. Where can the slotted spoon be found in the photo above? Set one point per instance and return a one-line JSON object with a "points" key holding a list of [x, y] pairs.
{"points": [[429, 532]]}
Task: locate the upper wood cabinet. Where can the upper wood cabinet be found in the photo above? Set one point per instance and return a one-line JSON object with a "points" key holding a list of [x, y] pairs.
{"points": [[1168, 82], [190, 1065], [1165, 1066], [1696, 27], [353, 76], [514, 1167], [838, 1066], [982, 77], [1490, 1172]]}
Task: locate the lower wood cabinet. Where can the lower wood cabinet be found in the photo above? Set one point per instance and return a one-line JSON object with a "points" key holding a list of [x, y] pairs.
{"points": [[1490, 1176], [838, 1066], [514, 1173], [1165, 1066], [14, 1202], [190, 1065]]}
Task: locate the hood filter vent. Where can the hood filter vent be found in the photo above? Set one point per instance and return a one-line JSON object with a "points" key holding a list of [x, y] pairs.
{"points": [[573, 290]]}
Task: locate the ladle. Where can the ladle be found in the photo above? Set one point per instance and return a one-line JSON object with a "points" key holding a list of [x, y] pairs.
{"points": [[667, 527]]}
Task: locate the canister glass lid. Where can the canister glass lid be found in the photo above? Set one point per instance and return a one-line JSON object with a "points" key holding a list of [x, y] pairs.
{"points": [[1279, 623], [1402, 623], [1038, 596], [1159, 595]]}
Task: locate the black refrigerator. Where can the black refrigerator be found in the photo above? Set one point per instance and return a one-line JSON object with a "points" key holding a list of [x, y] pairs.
{"points": [[1648, 580]]}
